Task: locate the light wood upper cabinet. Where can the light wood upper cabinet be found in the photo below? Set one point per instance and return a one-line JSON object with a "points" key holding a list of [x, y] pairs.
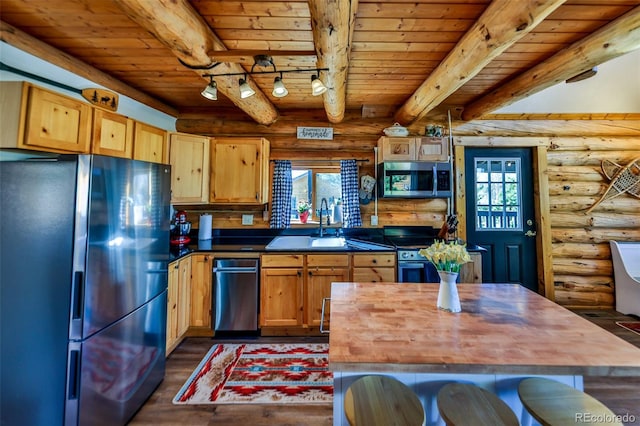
{"points": [[239, 171], [432, 149], [112, 134], [150, 144], [413, 149], [189, 159], [38, 119]]}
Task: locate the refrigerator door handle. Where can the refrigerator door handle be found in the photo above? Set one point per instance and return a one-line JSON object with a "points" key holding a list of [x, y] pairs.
{"points": [[73, 384], [77, 297]]}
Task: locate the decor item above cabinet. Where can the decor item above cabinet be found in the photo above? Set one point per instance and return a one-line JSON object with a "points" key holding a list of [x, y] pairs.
{"points": [[413, 149], [189, 159], [239, 171], [38, 119]]}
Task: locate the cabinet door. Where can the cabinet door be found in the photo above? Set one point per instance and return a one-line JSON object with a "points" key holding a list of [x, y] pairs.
{"points": [[189, 159], [432, 149], [112, 134], [172, 306], [201, 265], [150, 144], [239, 171], [184, 296], [281, 297], [471, 272], [319, 281], [374, 275], [397, 149], [56, 123]]}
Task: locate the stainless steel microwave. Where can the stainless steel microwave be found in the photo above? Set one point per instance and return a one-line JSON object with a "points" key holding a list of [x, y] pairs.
{"points": [[414, 179]]}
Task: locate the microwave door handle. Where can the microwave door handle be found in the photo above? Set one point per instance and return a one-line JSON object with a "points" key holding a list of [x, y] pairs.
{"points": [[435, 179]]}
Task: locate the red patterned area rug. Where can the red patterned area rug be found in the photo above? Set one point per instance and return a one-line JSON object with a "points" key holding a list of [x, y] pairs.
{"points": [[261, 374], [632, 325]]}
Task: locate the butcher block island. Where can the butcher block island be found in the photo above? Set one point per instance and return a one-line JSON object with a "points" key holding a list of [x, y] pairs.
{"points": [[504, 333]]}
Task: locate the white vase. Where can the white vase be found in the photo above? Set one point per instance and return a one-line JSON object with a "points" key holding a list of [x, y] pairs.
{"points": [[448, 299]]}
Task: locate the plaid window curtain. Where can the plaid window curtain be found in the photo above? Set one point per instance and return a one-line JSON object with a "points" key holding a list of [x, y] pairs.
{"points": [[350, 195], [281, 195]]}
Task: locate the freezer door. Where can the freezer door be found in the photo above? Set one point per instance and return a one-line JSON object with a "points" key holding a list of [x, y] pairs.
{"points": [[36, 240], [113, 372], [126, 221]]}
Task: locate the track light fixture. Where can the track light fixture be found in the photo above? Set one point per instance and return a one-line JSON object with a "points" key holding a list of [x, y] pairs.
{"points": [[211, 91], [317, 86], [245, 89], [279, 89]]}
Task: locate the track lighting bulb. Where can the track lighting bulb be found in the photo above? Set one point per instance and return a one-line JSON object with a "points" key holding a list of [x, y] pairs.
{"points": [[211, 91], [317, 87], [279, 91], [245, 89]]}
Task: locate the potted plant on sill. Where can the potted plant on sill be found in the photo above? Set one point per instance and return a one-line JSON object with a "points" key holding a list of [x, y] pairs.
{"points": [[304, 208]]}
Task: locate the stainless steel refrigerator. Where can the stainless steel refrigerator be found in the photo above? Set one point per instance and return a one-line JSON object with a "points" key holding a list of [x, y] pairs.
{"points": [[84, 244]]}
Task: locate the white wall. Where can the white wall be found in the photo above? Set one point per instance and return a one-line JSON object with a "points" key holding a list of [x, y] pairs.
{"points": [[614, 89], [16, 58]]}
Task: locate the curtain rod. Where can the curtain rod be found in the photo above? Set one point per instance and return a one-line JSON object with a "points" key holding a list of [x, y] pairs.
{"points": [[365, 160]]}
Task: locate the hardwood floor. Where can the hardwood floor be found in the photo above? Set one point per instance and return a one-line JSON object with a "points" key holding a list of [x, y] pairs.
{"points": [[620, 394]]}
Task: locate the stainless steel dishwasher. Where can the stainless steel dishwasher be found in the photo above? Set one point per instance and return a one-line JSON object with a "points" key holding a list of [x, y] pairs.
{"points": [[235, 295]]}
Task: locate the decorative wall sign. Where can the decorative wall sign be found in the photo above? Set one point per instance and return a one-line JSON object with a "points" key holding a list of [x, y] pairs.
{"points": [[624, 180], [324, 133], [101, 98]]}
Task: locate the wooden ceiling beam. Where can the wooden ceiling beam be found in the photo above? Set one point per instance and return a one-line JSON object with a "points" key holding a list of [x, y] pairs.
{"points": [[332, 23], [502, 24], [178, 26], [246, 56], [21, 40], [614, 39]]}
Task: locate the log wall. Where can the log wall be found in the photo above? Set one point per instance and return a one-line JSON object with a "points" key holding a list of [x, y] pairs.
{"points": [[578, 244]]}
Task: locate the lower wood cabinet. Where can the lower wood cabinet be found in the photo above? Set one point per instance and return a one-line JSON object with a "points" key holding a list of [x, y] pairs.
{"points": [[377, 268], [201, 287], [322, 270], [281, 290], [293, 287], [178, 302], [471, 272]]}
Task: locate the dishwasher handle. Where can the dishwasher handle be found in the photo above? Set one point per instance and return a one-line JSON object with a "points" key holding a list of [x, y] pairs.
{"points": [[239, 269]]}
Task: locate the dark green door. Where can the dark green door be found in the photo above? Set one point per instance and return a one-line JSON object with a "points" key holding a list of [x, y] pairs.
{"points": [[500, 212]]}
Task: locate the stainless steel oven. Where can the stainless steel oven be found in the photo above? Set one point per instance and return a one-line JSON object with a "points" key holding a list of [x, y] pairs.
{"points": [[414, 268]]}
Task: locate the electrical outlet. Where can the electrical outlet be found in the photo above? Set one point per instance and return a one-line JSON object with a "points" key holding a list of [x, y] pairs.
{"points": [[247, 219], [374, 220]]}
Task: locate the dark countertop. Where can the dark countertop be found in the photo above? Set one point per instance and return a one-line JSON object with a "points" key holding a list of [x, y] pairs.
{"points": [[256, 242]]}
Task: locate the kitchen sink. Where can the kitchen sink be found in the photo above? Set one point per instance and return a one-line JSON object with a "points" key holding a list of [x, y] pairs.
{"points": [[301, 242]]}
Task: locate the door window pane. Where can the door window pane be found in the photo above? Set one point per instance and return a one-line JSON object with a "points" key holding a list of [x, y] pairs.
{"points": [[498, 194]]}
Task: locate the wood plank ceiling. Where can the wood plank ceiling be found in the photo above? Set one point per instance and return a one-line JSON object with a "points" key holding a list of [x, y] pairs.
{"points": [[398, 59]]}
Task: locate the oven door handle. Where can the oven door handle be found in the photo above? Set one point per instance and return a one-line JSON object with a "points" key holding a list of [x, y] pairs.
{"points": [[414, 265]]}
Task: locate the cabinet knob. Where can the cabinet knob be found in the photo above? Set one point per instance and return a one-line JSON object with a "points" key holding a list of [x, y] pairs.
{"points": [[374, 261], [299, 273]]}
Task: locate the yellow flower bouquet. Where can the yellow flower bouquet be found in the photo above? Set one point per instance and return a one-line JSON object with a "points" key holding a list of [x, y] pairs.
{"points": [[446, 257]]}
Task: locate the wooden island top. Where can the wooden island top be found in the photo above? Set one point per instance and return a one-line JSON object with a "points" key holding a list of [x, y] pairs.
{"points": [[502, 329]]}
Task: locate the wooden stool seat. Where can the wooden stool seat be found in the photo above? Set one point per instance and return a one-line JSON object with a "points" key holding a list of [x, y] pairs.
{"points": [[382, 400], [553, 403], [465, 404]]}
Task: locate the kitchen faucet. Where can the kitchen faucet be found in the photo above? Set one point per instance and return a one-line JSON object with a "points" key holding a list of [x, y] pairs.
{"points": [[326, 204]]}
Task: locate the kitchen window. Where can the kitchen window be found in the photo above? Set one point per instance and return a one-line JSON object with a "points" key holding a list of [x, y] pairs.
{"points": [[312, 184]]}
